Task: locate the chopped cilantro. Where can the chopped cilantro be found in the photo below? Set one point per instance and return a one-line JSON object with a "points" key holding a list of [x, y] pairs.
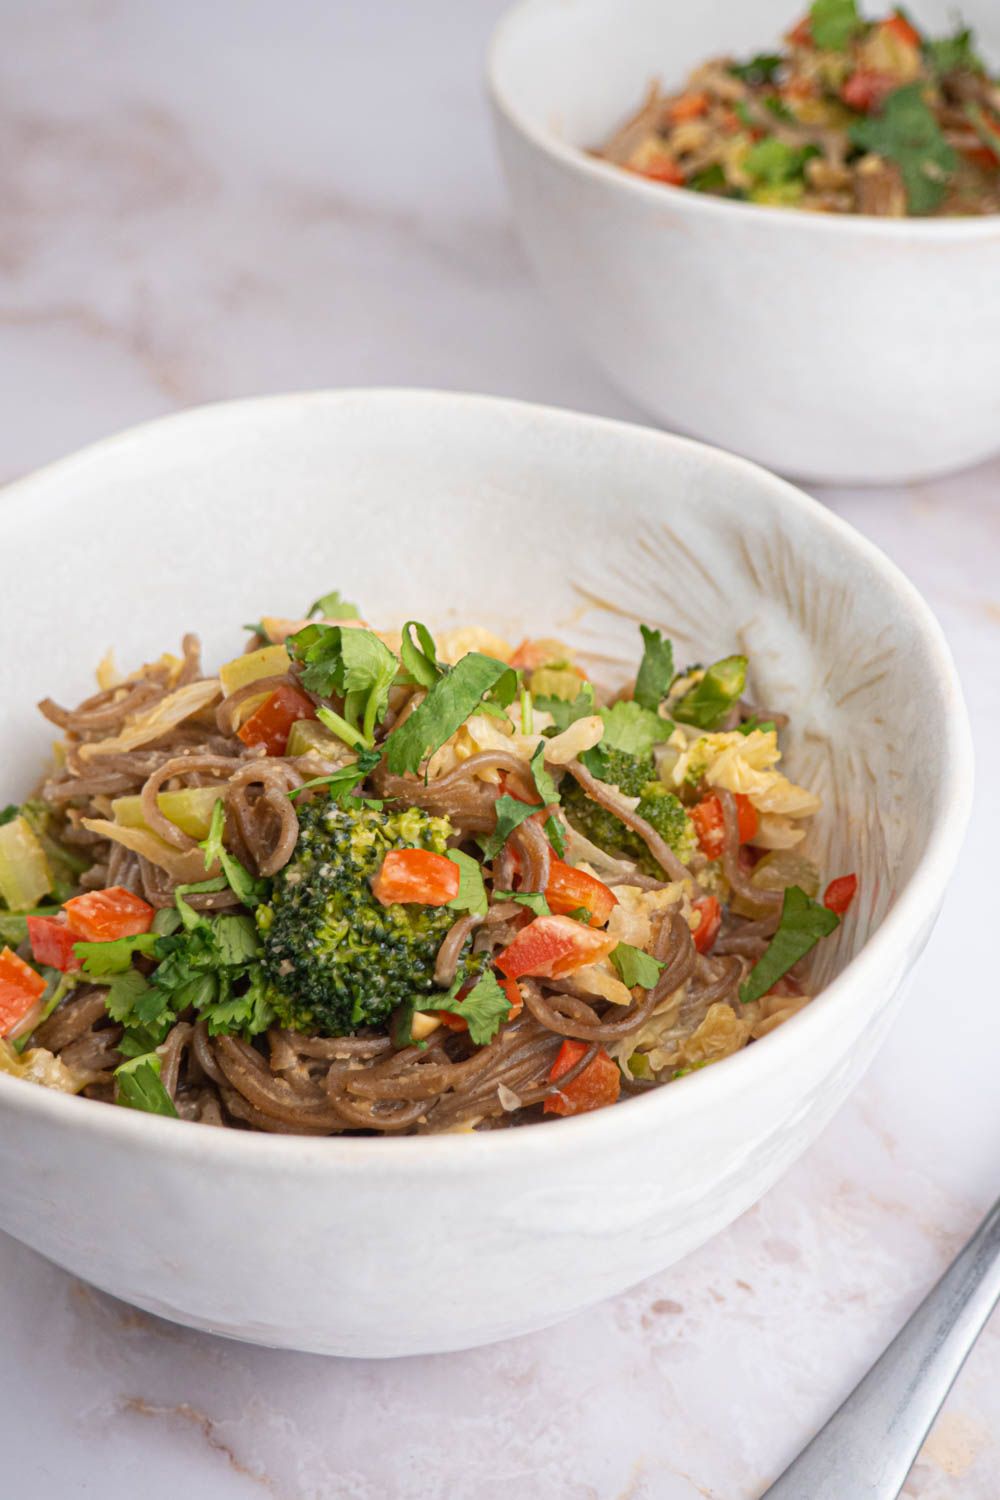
{"points": [[342, 782], [749, 725], [352, 663], [709, 180], [420, 660], [832, 23], [656, 670], [760, 69], [636, 967], [630, 727], [249, 890], [803, 923], [773, 162], [545, 786], [534, 900], [510, 815], [565, 712], [485, 1008], [445, 709], [139, 1086], [333, 607], [471, 890], [953, 54], [907, 133], [556, 837]]}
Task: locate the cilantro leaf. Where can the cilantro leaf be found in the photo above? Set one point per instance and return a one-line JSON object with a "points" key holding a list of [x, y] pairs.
{"points": [[760, 69], [420, 661], [471, 890], [333, 607], [9, 813], [749, 725], [832, 23], [343, 781], [636, 967], [952, 54], [908, 133], [139, 1086], [510, 815], [99, 959], [249, 890], [803, 923], [534, 900], [445, 709], [710, 180], [544, 784], [123, 991], [656, 670], [708, 703], [485, 1008], [630, 727], [556, 837], [565, 712], [352, 663]]}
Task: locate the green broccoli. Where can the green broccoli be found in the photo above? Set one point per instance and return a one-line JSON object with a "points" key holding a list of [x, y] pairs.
{"points": [[635, 776], [336, 957]]}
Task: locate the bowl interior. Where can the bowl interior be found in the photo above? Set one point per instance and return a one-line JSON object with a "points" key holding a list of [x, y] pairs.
{"points": [[528, 521], [575, 69]]}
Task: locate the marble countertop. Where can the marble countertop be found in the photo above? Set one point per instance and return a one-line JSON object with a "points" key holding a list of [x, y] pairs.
{"points": [[211, 201]]}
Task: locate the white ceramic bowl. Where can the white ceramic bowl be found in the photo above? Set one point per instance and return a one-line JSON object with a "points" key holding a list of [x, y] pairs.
{"points": [[458, 508], [833, 348]]}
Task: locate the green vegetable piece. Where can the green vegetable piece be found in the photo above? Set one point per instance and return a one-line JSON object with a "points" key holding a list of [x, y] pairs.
{"points": [[420, 660], [554, 834], [656, 670], [634, 729], [344, 780], [832, 23], [749, 725], [352, 663], [471, 890], [510, 815], [333, 607], [445, 709], [709, 701], [247, 887], [534, 900], [907, 133], [544, 784], [774, 163], [334, 957], [763, 68], [566, 711], [803, 923], [710, 180], [635, 776], [100, 959], [485, 1008], [25, 876], [139, 1086], [636, 967], [953, 54]]}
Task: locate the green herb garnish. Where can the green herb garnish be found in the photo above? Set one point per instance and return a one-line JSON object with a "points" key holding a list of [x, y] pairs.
{"points": [[656, 670], [636, 967], [832, 23], [333, 607], [139, 1086], [803, 923], [471, 890], [445, 709], [907, 133]]}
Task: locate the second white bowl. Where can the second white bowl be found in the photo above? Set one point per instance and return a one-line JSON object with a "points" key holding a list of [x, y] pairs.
{"points": [[841, 349]]}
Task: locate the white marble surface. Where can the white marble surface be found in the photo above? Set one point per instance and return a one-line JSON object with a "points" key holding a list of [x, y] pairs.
{"points": [[210, 201]]}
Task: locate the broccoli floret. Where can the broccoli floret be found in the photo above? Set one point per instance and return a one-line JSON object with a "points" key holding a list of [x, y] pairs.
{"points": [[635, 776], [336, 957]]}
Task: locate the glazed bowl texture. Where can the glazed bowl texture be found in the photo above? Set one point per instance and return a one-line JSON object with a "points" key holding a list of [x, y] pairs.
{"points": [[410, 503], [830, 347]]}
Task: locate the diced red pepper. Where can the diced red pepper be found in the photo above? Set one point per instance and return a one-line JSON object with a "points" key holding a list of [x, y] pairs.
{"points": [[707, 930], [20, 988], [598, 1085], [710, 824], [903, 30], [570, 889], [866, 89], [553, 946], [687, 107], [663, 169], [416, 877], [801, 33], [981, 156], [52, 941], [840, 893], [103, 916], [271, 724]]}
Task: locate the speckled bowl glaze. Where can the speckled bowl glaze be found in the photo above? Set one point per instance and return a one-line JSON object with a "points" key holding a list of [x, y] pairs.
{"points": [[459, 508], [834, 348]]}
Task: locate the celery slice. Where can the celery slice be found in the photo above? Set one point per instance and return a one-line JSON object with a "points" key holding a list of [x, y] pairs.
{"points": [[190, 808], [308, 736], [269, 661], [25, 876]]}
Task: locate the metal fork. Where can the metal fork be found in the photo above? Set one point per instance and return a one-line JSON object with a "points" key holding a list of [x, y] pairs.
{"points": [[867, 1448]]}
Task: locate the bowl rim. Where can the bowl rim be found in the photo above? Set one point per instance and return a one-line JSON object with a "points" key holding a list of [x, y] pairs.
{"points": [[576, 159], [914, 910]]}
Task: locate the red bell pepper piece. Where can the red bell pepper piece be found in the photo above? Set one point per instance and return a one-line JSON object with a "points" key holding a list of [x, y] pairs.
{"points": [[418, 877], [20, 989], [103, 916], [270, 725], [52, 941], [598, 1085]]}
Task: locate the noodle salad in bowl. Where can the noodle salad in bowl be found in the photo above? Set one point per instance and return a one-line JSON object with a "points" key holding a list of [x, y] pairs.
{"points": [[370, 881]]}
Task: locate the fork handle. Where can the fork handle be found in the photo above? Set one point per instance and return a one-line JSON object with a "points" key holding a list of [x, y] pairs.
{"points": [[867, 1448]]}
